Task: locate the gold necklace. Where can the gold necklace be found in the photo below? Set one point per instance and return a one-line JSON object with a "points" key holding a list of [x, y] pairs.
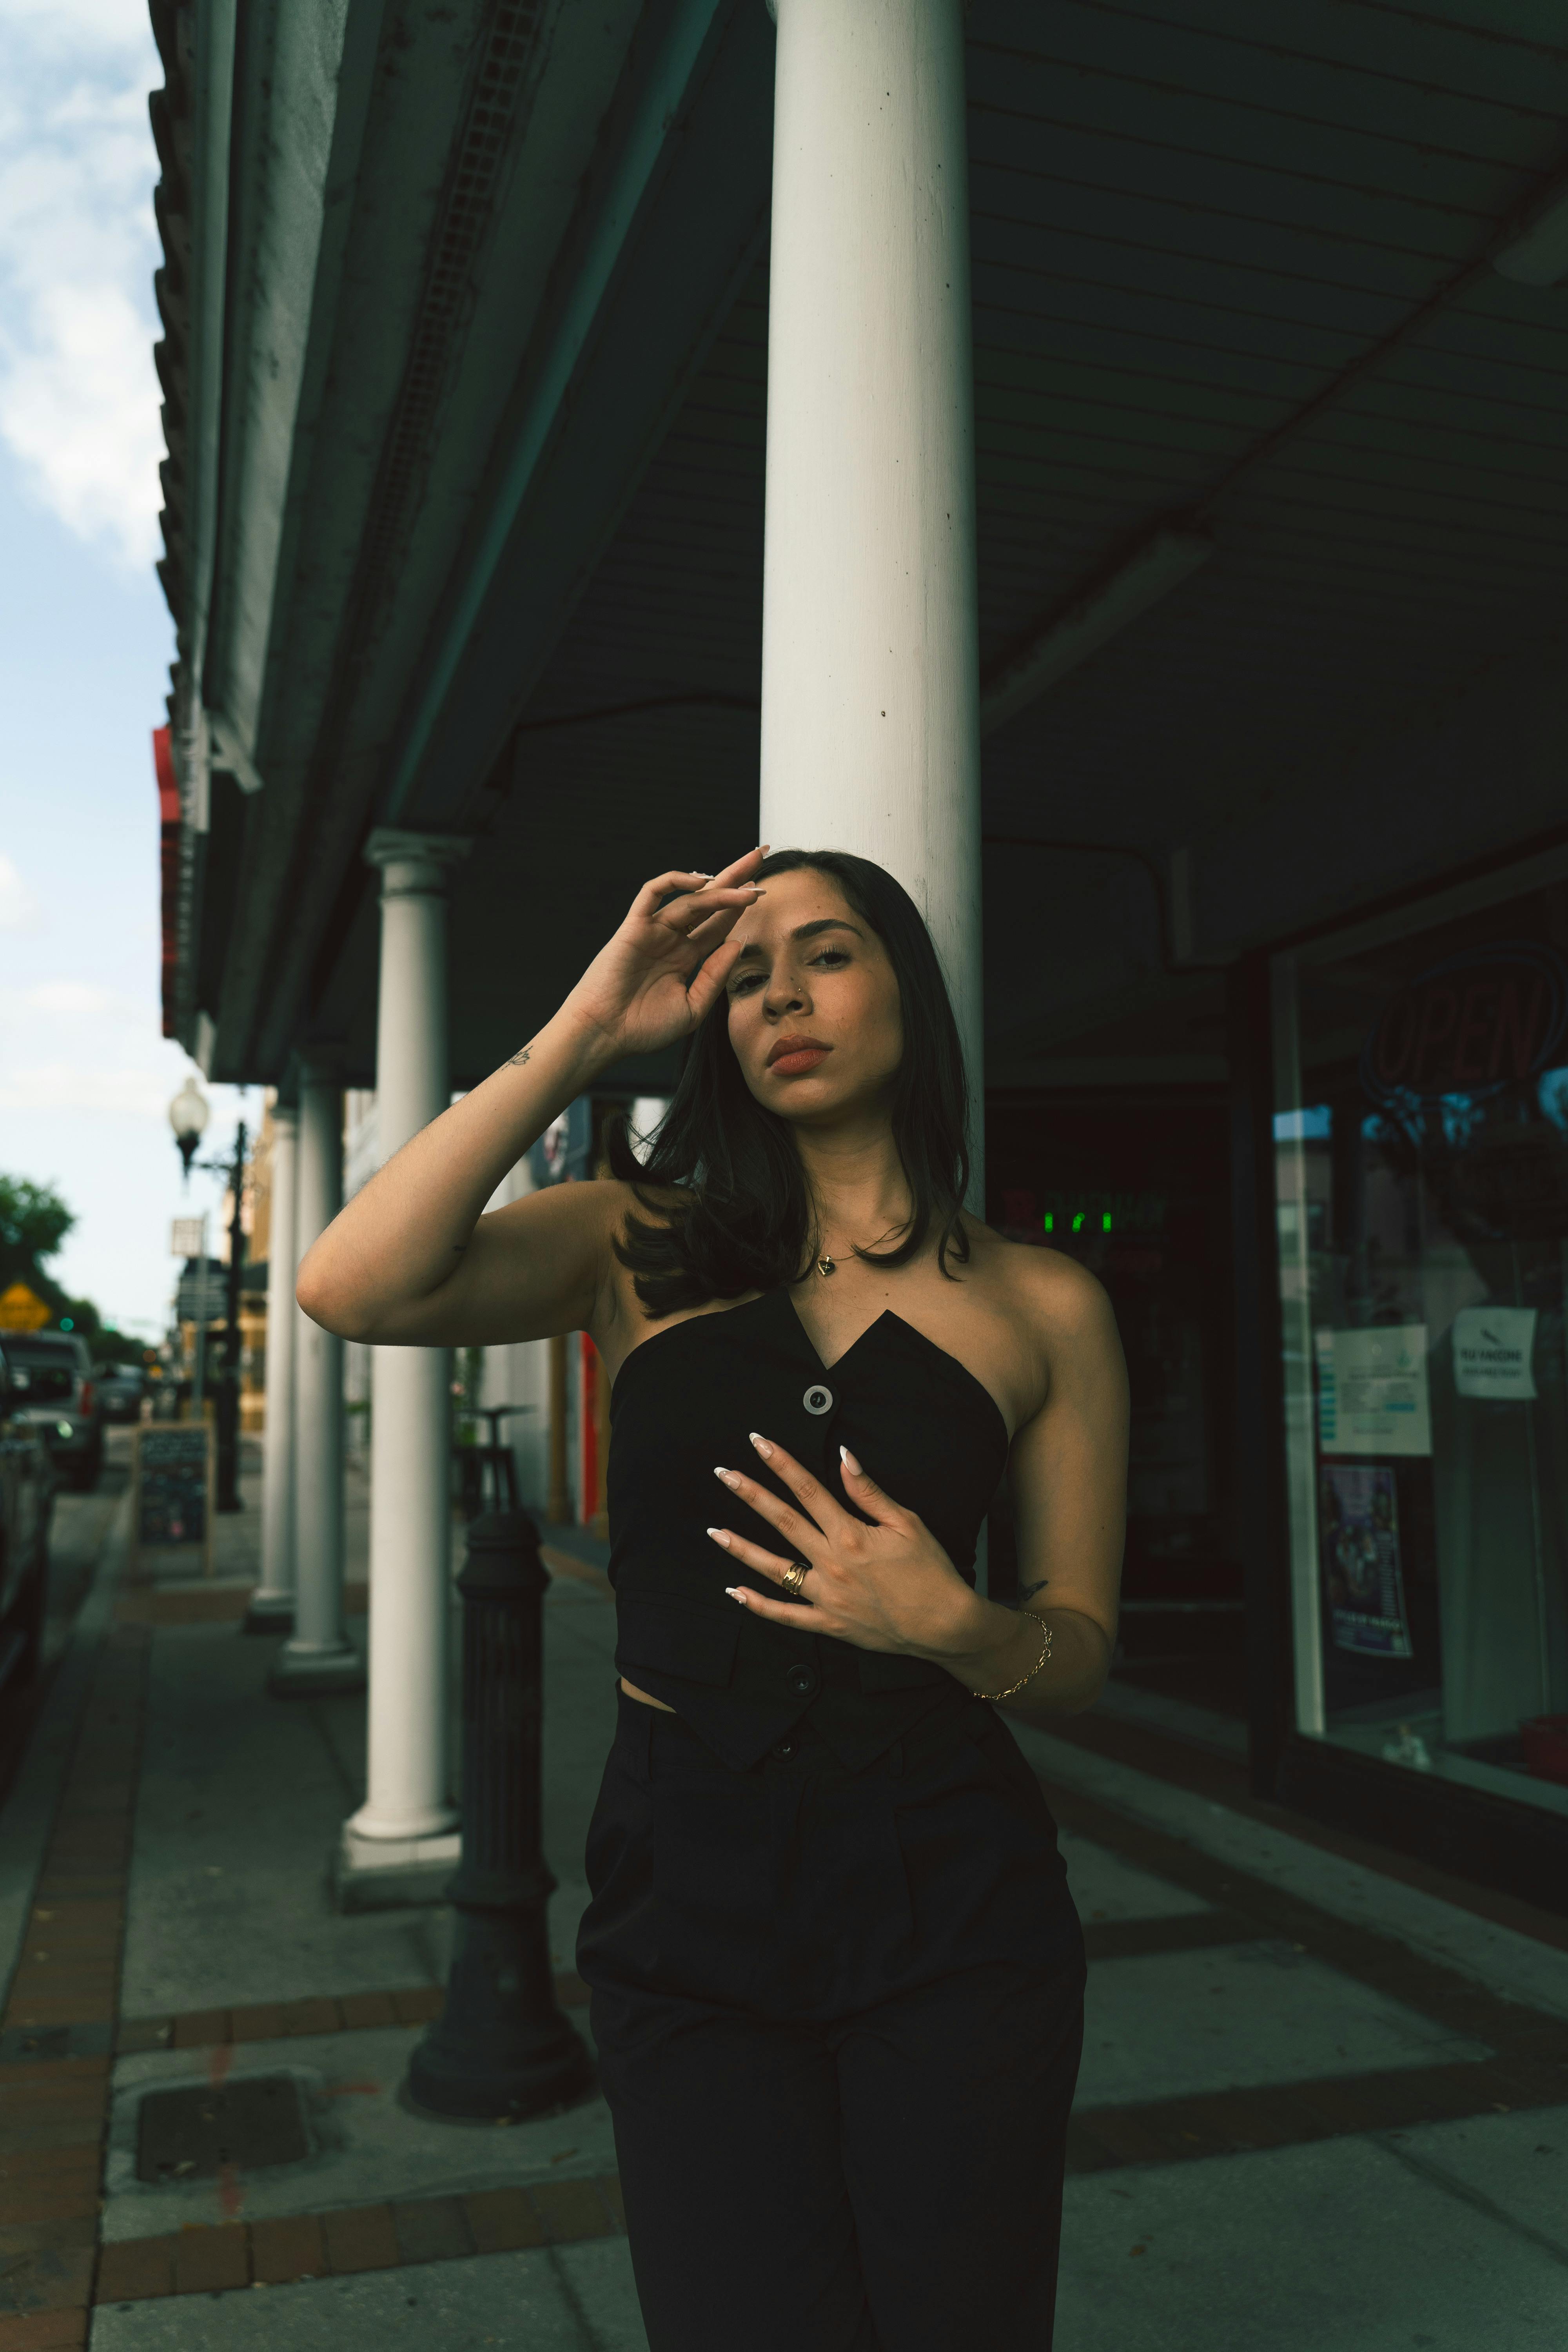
{"points": [[826, 1264]]}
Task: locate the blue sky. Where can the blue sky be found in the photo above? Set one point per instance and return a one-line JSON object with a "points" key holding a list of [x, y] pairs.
{"points": [[85, 643]]}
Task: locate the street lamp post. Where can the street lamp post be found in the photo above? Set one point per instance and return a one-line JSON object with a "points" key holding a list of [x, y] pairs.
{"points": [[188, 1116]]}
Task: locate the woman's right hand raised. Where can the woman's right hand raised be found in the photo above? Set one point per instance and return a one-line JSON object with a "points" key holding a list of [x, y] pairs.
{"points": [[656, 977], [413, 1260]]}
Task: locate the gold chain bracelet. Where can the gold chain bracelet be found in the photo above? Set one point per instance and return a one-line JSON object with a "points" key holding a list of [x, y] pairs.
{"points": [[1033, 1670]]}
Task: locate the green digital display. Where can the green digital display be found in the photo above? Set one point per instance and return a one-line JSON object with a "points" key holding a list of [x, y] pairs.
{"points": [[1103, 1212]]}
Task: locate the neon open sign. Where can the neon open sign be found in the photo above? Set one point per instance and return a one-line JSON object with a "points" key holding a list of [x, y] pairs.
{"points": [[1488, 1018]]}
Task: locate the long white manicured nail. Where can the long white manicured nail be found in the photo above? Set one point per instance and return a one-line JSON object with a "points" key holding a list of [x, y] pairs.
{"points": [[849, 1462], [763, 1448], [720, 1537], [729, 1476], [736, 1593]]}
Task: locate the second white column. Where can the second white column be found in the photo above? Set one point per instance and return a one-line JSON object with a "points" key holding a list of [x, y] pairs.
{"points": [[401, 1844], [318, 1660]]}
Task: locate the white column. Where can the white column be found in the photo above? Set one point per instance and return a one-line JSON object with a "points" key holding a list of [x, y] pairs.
{"points": [[317, 1659], [870, 737], [402, 1843], [271, 1606]]}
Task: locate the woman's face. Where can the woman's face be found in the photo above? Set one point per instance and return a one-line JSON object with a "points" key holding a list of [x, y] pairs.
{"points": [[813, 1003]]}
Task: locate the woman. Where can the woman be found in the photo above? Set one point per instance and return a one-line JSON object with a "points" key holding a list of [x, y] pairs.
{"points": [[836, 1975]]}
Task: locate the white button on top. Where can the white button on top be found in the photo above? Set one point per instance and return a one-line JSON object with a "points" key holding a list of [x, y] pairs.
{"points": [[817, 1399]]}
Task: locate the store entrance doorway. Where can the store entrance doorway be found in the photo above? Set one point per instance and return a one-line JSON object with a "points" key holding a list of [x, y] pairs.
{"points": [[1138, 1189]]}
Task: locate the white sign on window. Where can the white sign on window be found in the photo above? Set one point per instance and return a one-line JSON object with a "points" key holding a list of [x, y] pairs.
{"points": [[1372, 1391], [1492, 1350]]}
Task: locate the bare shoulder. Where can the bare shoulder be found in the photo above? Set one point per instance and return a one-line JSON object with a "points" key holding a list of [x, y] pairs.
{"points": [[1059, 1302]]}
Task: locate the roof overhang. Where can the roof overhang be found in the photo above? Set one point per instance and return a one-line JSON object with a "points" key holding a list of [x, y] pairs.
{"points": [[1271, 452]]}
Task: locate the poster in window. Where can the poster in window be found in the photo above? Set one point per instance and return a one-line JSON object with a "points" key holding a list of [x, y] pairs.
{"points": [[1494, 1349], [1373, 1396], [1363, 1582]]}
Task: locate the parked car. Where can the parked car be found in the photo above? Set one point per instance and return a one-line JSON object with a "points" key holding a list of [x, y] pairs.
{"points": [[121, 1389], [53, 1389], [27, 1483]]}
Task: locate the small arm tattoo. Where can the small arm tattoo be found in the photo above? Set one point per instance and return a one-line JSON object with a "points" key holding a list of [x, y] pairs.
{"points": [[518, 1060], [1029, 1591]]}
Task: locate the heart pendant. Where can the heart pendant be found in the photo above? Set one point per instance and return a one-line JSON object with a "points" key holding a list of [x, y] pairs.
{"points": [[826, 1266]]}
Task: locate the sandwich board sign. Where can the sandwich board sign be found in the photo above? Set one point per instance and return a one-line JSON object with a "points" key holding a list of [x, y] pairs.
{"points": [[173, 1474]]}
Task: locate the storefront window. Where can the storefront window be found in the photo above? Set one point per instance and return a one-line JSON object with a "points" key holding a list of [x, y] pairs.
{"points": [[1421, 1160]]}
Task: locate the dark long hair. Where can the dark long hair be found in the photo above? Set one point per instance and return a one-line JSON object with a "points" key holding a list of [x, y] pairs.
{"points": [[743, 1217]]}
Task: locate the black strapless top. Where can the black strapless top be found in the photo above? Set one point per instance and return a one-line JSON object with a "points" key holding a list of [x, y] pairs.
{"points": [[684, 1399]]}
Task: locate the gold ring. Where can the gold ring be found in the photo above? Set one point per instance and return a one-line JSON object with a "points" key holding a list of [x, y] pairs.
{"points": [[794, 1576]]}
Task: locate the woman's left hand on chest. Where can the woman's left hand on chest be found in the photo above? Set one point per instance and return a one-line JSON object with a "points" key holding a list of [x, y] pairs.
{"points": [[882, 1583]]}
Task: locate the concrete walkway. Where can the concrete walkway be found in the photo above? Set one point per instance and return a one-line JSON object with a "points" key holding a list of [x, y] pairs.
{"points": [[1322, 2108]]}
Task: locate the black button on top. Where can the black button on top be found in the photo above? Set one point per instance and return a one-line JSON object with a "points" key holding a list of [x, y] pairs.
{"points": [[818, 1399], [802, 1681]]}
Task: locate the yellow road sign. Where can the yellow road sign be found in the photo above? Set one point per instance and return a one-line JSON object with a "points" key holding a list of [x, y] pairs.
{"points": [[22, 1310]]}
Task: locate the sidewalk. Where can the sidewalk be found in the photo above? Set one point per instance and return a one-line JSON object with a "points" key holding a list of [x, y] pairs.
{"points": [[1323, 2108]]}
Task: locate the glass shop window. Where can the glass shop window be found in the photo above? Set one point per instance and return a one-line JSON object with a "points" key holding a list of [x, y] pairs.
{"points": [[1421, 1146]]}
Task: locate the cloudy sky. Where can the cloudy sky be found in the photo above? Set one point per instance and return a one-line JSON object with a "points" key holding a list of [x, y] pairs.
{"points": [[85, 643]]}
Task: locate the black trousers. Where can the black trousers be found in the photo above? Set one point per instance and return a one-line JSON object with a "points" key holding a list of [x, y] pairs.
{"points": [[839, 2018]]}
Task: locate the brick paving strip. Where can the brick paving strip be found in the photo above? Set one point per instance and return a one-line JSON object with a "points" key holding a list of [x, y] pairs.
{"points": [[279, 2020], [59, 2029], [54, 2111], [298, 2246]]}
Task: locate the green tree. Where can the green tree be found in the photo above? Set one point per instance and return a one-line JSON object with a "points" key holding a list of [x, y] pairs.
{"points": [[34, 1220], [110, 1346]]}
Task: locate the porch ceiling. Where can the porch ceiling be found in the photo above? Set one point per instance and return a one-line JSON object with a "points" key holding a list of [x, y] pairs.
{"points": [[1229, 265]]}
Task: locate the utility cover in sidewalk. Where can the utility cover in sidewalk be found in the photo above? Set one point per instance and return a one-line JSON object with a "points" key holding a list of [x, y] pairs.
{"points": [[190, 2134]]}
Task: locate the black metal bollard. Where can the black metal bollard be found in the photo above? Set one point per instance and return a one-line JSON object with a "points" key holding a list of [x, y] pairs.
{"points": [[501, 2046]]}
